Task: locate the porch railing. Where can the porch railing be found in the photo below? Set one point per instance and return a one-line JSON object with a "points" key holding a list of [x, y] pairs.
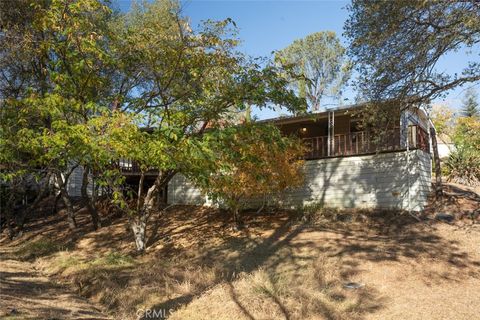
{"points": [[355, 143], [363, 142], [131, 167]]}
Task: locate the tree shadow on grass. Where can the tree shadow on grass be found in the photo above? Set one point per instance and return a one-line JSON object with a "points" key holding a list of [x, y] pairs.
{"points": [[381, 237], [191, 238], [28, 296]]}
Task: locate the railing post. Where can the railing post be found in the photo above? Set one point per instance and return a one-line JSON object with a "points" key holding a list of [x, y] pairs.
{"points": [[331, 133], [414, 136]]}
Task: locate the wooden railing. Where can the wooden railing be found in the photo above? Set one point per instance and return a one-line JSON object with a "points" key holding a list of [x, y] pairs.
{"points": [[130, 167], [363, 142], [418, 138]]}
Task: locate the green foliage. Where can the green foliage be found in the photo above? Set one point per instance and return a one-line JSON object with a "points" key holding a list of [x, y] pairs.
{"points": [[251, 161], [396, 46], [443, 119], [61, 69], [95, 87], [463, 164], [148, 64], [467, 133], [470, 104], [320, 66]]}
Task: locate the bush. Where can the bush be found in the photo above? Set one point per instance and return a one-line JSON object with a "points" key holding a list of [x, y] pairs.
{"points": [[463, 166]]}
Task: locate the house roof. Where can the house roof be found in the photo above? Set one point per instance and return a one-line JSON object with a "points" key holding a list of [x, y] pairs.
{"points": [[311, 116]]}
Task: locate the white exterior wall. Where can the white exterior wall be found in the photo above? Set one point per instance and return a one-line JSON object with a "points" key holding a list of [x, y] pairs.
{"points": [[445, 149], [74, 185], [181, 191], [370, 181]]}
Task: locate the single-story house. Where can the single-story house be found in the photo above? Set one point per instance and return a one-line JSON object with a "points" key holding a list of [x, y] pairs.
{"points": [[346, 166]]}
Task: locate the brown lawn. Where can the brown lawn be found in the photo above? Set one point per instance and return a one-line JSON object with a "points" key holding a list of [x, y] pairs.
{"points": [[283, 265]]}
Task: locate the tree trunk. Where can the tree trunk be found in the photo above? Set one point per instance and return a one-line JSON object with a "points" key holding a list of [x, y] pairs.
{"points": [[55, 205], [153, 192], [140, 191], [436, 160], [72, 223], [9, 213], [139, 228], [236, 213], [236, 220], [145, 205], [89, 202], [43, 192]]}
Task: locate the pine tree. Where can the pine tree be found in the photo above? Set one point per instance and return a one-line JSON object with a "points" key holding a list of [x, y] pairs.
{"points": [[470, 104]]}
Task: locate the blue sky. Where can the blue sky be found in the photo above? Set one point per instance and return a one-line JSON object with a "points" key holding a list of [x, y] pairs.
{"points": [[265, 26]]}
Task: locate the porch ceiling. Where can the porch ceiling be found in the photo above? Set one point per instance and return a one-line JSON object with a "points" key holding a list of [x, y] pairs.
{"points": [[339, 111]]}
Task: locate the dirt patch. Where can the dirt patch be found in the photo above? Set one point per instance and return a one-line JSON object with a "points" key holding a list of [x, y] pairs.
{"points": [[459, 201], [25, 294]]}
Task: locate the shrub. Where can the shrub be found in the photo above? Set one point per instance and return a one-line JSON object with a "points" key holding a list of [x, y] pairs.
{"points": [[463, 164], [463, 167]]}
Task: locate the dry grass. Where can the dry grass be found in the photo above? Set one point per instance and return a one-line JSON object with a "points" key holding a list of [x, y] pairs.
{"points": [[313, 292], [38, 248], [301, 288], [283, 266], [197, 253]]}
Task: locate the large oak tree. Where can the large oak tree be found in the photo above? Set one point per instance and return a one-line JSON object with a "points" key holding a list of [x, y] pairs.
{"points": [[397, 46]]}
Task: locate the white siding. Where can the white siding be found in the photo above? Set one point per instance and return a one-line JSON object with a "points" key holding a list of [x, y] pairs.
{"points": [[182, 191], [444, 149], [74, 186], [369, 181]]}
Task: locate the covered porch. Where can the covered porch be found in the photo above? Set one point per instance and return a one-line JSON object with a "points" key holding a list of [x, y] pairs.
{"points": [[334, 134]]}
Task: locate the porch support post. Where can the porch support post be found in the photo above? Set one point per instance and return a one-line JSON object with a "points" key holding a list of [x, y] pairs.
{"points": [[331, 133], [404, 132]]}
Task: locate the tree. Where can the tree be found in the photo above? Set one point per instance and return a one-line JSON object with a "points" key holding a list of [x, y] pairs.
{"points": [[252, 161], [470, 104], [396, 46], [319, 64], [67, 41], [463, 164], [443, 119], [56, 80], [101, 76], [180, 82]]}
